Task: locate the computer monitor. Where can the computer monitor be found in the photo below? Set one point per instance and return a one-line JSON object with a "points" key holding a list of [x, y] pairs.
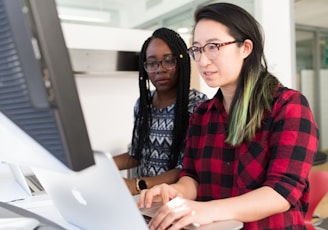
{"points": [[41, 119]]}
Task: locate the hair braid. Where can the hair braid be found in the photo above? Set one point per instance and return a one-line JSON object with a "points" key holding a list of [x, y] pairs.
{"points": [[143, 121]]}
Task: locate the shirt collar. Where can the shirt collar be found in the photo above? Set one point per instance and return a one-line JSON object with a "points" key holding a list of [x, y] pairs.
{"points": [[217, 101]]}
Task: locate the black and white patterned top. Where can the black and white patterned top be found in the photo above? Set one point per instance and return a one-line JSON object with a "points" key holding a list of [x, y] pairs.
{"points": [[155, 160]]}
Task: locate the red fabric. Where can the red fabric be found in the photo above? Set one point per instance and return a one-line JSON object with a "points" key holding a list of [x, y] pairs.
{"points": [[280, 156]]}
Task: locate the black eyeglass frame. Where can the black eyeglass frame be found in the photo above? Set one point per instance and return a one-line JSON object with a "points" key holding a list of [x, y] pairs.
{"points": [[191, 50], [169, 57]]}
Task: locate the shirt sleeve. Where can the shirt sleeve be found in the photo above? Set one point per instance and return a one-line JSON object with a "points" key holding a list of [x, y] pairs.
{"points": [[292, 145]]}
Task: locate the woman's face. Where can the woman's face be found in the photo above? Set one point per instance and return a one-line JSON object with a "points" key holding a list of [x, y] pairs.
{"points": [[223, 70], [164, 79]]}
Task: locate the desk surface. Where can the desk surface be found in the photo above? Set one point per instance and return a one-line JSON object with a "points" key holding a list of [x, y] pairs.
{"points": [[42, 205], [12, 193]]}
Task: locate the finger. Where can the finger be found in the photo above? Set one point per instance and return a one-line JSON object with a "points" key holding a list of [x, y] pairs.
{"points": [[156, 220], [141, 200], [185, 220], [149, 196], [172, 215], [165, 197], [169, 194], [162, 219]]}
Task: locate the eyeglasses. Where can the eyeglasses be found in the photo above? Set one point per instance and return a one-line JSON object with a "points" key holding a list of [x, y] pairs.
{"points": [[169, 62], [210, 49]]}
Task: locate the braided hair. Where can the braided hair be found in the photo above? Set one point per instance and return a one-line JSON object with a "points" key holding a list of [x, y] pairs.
{"points": [[143, 118]]}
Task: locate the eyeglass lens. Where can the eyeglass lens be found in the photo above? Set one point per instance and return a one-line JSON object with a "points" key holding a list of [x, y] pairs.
{"points": [[168, 62], [210, 49]]}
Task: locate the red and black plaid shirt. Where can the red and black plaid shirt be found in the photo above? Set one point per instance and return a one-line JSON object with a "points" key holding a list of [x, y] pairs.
{"points": [[280, 156]]}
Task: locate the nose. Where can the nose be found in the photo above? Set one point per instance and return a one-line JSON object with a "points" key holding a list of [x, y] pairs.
{"points": [[204, 60], [160, 68]]}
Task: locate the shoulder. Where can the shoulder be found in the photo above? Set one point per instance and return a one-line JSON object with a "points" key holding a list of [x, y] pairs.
{"points": [[136, 104], [285, 95], [195, 98], [289, 103]]}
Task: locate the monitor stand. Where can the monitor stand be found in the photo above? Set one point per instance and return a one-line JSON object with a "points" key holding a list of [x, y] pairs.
{"points": [[11, 211]]}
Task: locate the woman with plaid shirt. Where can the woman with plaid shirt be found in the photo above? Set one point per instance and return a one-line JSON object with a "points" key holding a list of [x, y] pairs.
{"points": [[250, 148]]}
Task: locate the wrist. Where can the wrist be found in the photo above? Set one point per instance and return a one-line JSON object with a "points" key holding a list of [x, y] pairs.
{"points": [[140, 185]]}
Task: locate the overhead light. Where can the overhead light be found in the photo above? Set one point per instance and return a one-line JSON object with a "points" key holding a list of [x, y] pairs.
{"points": [[83, 15], [183, 30]]}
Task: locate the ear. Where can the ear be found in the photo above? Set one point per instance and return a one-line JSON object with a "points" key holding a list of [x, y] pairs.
{"points": [[247, 48]]}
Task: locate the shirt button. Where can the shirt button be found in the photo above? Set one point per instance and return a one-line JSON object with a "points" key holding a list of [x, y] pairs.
{"points": [[228, 163]]}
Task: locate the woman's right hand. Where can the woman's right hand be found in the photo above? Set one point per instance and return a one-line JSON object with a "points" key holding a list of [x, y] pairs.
{"points": [[159, 193]]}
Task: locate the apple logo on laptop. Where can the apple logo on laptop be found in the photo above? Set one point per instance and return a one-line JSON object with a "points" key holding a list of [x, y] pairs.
{"points": [[78, 196]]}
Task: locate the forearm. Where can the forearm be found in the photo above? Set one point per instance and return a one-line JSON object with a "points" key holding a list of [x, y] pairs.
{"points": [[125, 161], [252, 206], [186, 187], [168, 177]]}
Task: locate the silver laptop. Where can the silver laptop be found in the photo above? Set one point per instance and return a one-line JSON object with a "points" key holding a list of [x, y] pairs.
{"points": [[98, 198], [94, 198]]}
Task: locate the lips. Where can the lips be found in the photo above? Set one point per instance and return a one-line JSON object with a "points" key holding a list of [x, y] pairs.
{"points": [[162, 81], [208, 74]]}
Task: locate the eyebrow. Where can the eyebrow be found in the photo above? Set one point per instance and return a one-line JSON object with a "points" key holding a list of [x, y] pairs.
{"points": [[154, 57], [207, 41]]}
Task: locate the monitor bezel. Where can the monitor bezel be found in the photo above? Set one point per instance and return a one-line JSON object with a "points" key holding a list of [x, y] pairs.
{"points": [[51, 84]]}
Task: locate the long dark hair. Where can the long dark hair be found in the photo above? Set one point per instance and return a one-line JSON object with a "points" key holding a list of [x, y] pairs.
{"points": [[254, 92], [143, 119]]}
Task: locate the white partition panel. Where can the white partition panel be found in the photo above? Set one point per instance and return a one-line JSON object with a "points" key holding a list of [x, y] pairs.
{"points": [[308, 88]]}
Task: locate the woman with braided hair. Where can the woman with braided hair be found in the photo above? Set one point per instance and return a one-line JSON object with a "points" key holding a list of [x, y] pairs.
{"points": [[161, 115]]}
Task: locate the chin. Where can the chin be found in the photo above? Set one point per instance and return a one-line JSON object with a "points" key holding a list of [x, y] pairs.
{"points": [[212, 84]]}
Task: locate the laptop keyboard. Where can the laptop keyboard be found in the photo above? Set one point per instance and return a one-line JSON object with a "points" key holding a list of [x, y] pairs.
{"points": [[146, 218], [34, 184]]}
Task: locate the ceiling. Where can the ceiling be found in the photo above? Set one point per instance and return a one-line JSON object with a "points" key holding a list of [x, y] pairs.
{"points": [[312, 13], [150, 14]]}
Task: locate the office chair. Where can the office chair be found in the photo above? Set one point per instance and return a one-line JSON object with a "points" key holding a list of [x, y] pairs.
{"points": [[320, 158], [318, 188]]}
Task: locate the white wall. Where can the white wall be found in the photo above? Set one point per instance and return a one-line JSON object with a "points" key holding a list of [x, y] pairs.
{"points": [[103, 38], [308, 88], [107, 102], [107, 98], [277, 20]]}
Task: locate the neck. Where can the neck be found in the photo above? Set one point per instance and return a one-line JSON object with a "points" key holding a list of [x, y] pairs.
{"points": [[227, 99], [162, 100]]}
